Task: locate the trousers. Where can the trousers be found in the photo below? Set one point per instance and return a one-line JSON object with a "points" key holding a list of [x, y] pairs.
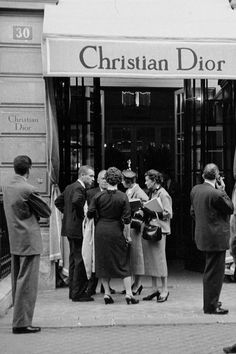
{"points": [[78, 280], [213, 278], [24, 276]]}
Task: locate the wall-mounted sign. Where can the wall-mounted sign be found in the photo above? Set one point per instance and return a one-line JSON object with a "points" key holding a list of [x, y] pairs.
{"points": [[22, 121], [144, 58], [22, 32]]}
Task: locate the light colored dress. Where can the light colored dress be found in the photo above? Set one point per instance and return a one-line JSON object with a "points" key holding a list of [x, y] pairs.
{"points": [[136, 250], [154, 253]]}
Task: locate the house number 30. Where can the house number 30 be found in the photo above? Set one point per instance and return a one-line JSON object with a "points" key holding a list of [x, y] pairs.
{"points": [[22, 32]]}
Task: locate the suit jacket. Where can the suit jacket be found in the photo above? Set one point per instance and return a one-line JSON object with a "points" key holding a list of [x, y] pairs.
{"points": [[211, 208], [71, 204], [91, 193], [23, 207]]}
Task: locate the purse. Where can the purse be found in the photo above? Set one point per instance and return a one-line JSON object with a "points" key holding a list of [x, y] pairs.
{"points": [[152, 233], [136, 224]]}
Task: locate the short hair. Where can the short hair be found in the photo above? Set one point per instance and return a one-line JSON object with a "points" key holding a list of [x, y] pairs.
{"points": [[100, 172], [210, 171], [22, 164], [83, 170], [155, 176], [113, 176]]}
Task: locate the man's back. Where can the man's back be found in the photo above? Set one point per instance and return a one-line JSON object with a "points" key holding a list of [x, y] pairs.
{"points": [[23, 227], [71, 203], [211, 209]]}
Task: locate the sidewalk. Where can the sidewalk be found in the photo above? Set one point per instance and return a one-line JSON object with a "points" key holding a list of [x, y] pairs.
{"points": [[184, 306]]}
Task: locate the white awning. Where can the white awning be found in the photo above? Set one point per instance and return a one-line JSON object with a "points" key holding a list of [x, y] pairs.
{"points": [[140, 38]]}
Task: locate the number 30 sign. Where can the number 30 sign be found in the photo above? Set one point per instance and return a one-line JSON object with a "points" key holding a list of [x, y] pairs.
{"points": [[22, 32]]}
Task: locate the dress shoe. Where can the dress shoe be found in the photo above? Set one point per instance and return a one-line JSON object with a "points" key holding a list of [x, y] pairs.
{"points": [[163, 298], [24, 330], [231, 349], [83, 298], [138, 291], [151, 296], [131, 300], [217, 311], [108, 299]]}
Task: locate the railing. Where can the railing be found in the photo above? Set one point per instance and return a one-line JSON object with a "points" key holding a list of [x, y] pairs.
{"points": [[5, 257]]}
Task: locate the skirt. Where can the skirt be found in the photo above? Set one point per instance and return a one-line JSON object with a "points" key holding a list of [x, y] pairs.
{"points": [[112, 253], [154, 254], [136, 253]]}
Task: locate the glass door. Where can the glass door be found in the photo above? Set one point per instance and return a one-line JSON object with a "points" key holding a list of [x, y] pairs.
{"points": [[204, 132]]}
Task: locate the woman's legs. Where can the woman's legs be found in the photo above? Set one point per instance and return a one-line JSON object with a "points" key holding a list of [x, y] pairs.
{"points": [[154, 284], [105, 283], [137, 282], [164, 289], [127, 285]]}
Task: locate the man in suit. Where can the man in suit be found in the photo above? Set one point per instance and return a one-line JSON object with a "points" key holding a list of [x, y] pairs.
{"points": [[71, 203], [23, 208], [211, 208], [102, 185]]}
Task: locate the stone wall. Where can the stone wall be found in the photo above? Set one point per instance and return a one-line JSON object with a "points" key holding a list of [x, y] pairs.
{"points": [[23, 118]]}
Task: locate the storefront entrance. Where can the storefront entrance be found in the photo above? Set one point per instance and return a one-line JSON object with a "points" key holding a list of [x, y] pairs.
{"points": [[170, 129]]}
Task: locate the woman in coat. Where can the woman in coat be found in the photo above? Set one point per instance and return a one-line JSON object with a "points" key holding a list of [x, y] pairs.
{"points": [[155, 252], [133, 191], [112, 235]]}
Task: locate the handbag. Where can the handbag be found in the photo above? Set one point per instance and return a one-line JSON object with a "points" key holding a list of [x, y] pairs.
{"points": [[136, 224], [152, 233]]}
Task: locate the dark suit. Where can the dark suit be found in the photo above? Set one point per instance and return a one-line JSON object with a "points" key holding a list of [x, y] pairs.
{"points": [[23, 208], [71, 204], [211, 208]]}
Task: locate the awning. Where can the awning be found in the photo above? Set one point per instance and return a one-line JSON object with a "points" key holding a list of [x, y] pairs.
{"points": [[140, 39]]}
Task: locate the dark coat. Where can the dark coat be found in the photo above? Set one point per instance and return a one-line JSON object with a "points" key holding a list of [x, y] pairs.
{"points": [[91, 193], [71, 204], [211, 208], [23, 208]]}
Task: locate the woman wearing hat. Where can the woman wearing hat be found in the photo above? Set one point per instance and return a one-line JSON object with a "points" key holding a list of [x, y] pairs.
{"points": [[133, 191], [155, 252]]}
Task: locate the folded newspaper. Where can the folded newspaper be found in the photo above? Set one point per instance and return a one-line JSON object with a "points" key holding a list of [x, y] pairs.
{"points": [[154, 204]]}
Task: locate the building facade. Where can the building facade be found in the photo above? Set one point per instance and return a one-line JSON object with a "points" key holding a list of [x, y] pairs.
{"points": [[93, 87]]}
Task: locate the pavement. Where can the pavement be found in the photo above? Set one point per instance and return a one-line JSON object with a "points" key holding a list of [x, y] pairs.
{"points": [[175, 326]]}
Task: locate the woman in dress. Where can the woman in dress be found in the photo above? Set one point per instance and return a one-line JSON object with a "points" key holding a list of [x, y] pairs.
{"points": [[112, 235], [133, 191], [155, 252]]}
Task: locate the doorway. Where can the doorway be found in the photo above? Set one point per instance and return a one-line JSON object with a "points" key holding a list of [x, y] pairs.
{"points": [[139, 134], [142, 128]]}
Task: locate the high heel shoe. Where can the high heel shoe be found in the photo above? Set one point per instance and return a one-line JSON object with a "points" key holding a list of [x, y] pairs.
{"points": [[108, 300], [138, 291], [151, 296], [163, 298], [131, 300]]}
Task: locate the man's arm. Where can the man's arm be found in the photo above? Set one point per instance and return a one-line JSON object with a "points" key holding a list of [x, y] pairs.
{"points": [[38, 205], [224, 204], [78, 201]]}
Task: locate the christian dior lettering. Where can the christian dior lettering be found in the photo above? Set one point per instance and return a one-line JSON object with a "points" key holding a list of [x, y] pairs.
{"points": [[93, 57]]}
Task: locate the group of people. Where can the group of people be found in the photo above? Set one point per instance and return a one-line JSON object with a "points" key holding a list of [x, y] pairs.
{"points": [[120, 249]]}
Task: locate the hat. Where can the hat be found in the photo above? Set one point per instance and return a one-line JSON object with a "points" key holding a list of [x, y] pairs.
{"points": [[128, 174]]}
